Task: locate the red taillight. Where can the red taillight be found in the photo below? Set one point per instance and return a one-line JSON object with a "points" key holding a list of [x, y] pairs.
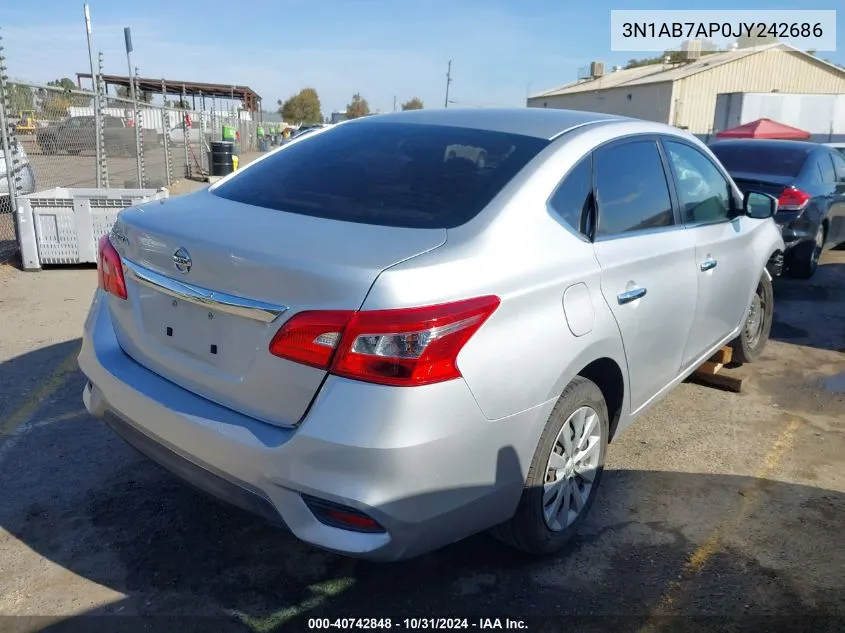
{"points": [[793, 199], [404, 347], [110, 269], [311, 338]]}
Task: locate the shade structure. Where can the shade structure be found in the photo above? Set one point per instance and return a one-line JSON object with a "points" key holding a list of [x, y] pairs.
{"points": [[765, 128]]}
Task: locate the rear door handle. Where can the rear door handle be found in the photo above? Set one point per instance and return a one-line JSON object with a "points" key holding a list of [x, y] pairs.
{"points": [[630, 295], [708, 264]]}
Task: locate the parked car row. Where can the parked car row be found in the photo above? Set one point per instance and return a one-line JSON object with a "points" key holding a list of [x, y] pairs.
{"points": [[387, 345], [79, 133]]}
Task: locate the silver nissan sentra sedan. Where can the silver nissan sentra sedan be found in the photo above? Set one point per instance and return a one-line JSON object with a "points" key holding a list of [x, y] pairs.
{"points": [[387, 345]]}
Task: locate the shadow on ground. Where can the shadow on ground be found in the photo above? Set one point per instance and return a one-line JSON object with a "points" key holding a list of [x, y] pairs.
{"points": [[810, 312], [122, 522], [81, 500]]}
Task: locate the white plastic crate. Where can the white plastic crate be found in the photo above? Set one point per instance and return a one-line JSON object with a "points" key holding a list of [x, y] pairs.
{"points": [[63, 226]]}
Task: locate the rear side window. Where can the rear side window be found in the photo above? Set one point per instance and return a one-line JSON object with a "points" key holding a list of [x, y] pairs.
{"points": [[839, 166], [572, 197], [631, 189], [763, 158], [389, 174], [826, 169]]}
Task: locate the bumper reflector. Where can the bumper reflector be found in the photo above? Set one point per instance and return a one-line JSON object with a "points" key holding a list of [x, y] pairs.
{"points": [[342, 517]]}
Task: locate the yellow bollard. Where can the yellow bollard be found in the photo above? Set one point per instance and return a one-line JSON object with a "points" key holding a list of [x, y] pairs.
{"points": [[234, 163]]}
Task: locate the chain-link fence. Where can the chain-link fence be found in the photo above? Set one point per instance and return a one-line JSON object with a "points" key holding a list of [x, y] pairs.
{"points": [[59, 137]]}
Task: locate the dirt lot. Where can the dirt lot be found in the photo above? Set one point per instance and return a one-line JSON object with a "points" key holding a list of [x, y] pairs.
{"points": [[715, 504]]}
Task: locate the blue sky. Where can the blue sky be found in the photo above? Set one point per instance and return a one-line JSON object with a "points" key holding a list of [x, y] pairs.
{"points": [[500, 49]]}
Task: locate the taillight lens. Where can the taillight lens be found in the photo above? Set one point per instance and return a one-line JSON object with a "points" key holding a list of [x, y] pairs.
{"points": [[404, 347], [311, 338], [793, 199], [110, 269]]}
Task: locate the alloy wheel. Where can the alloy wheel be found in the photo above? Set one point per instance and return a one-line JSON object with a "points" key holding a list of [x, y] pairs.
{"points": [[572, 468]]}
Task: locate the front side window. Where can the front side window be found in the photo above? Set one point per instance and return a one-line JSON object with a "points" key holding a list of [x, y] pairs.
{"points": [[389, 174], [703, 192], [631, 189]]}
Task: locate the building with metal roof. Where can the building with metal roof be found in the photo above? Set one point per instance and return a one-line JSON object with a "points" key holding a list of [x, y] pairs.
{"points": [[193, 89], [684, 93]]}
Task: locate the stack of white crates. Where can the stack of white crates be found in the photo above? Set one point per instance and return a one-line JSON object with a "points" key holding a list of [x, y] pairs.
{"points": [[63, 226]]}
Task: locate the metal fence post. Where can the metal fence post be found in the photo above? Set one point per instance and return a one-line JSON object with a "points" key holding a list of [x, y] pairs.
{"points": [[213, 119], [184, 114], [102, 103], [203, 166], [165, 122], [139, 130], [98, 121], [7, 144]]}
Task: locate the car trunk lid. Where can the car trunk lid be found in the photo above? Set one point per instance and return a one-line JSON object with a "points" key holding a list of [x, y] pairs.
{"points": [[764, 183], [210, 281]]}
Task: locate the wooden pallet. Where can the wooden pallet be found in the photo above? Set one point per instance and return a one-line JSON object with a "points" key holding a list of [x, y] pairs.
{"points": [[714, 374]]}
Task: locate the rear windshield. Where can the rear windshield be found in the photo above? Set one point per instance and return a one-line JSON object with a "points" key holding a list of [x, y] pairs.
{"points": [[389, 174], [771, 160]]}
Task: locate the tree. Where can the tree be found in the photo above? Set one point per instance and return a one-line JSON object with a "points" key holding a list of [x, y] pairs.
{"points": [[303, 107], [125, 93], [21, 99], [413, 104], [358, 108], [675, 57], [811, 51], [61, 95], [755, 39]]}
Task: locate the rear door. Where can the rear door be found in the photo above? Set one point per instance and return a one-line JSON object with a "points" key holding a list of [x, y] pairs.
{"points": [[647, 260], [723, 245], [836, 233]]}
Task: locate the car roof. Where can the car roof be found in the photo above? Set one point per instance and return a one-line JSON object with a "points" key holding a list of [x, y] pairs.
{"points": [[537, 122], [807, 146]]}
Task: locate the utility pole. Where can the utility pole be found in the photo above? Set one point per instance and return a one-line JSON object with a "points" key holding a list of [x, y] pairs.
{"points": [[448, 81]]}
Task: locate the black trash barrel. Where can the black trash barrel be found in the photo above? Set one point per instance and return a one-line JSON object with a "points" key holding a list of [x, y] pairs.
{"points": [[221, 157]]}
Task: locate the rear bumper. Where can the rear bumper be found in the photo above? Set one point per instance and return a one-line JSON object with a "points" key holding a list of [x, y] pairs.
{"points": [[423, 462]]}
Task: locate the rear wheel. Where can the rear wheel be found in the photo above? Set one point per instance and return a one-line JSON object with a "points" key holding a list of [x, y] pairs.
{"points": [[749, 345], [804, 259], [564, 474]]}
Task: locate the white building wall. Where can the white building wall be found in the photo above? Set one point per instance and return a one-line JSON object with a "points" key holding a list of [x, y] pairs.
{"points": [[651, 102], [784, 71]]}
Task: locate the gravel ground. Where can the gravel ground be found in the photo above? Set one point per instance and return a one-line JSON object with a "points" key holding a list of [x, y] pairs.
{"points": [[720, 505]]}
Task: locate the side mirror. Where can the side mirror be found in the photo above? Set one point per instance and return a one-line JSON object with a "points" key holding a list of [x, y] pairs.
{"points": [[759, 205]]}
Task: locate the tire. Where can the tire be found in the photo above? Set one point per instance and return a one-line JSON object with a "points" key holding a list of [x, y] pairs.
{"points": [[749, 345], [804, 258], [529, 529]]}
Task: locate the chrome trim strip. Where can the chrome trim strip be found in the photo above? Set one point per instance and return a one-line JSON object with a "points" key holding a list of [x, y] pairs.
{"points": [[231, 304]]}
